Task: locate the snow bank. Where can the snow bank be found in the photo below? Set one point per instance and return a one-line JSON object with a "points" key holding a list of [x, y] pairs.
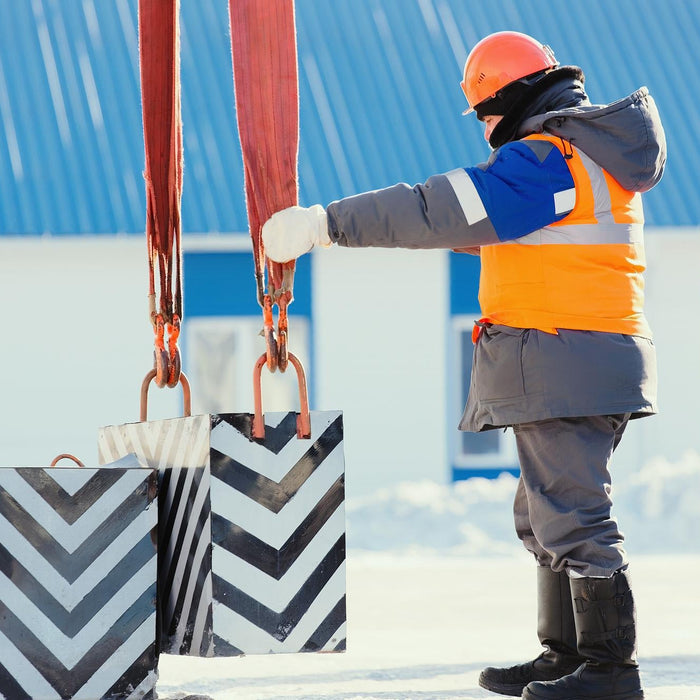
{"points": [[658, 509]]}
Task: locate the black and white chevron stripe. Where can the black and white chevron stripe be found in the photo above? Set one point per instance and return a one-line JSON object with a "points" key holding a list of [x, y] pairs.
{"points": [[278, 530], [179, 448], [262, 554], [78, 567]]}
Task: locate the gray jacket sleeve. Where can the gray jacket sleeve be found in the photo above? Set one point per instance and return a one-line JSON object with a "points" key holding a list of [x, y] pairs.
{"points": [[425, 216]]}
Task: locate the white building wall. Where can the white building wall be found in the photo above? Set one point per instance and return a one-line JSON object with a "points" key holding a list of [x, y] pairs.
{"points": [[673, 310], [76, 343], [381, 325]]}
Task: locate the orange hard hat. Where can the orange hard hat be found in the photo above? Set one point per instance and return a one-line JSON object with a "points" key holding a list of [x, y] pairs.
{"points": [[500, 59]]}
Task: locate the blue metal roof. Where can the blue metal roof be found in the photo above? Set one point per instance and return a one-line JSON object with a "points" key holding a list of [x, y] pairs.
{"points": [[379, 101]]}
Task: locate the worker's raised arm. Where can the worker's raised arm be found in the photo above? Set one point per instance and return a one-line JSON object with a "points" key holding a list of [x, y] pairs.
{"points": [[523, 187]]}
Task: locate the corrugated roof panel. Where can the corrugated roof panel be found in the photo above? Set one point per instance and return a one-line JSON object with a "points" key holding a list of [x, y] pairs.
{"points": [[213, 178], [379, 91], [396, 92], [65, 68]]}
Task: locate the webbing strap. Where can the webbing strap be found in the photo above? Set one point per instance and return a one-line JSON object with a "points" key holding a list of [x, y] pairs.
{"points": [[159, 46], [263, 42]]}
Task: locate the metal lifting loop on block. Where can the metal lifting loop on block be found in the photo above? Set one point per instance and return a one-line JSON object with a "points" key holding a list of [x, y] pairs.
{"points": [[186, 395], [303, 417], [65, 455]]}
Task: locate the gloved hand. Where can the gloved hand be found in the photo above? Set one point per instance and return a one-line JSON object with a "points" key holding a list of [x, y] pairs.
{"points": [[292, 232]]}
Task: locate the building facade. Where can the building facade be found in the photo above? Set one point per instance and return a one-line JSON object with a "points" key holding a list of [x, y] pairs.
{"points": [[385, 335]]}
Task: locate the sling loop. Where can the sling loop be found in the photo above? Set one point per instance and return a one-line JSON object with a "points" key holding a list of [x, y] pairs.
{"points": [[159, 46]]}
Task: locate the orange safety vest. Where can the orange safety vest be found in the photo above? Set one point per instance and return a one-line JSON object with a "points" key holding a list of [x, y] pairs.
{"points": [[584, 272]]}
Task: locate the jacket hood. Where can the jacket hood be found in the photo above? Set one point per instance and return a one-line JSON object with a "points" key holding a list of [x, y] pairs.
{"points": [[626, 137]]}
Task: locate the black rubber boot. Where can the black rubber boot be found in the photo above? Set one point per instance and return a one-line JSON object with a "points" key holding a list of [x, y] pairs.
{"points": [[556, 632], [605, 626]]}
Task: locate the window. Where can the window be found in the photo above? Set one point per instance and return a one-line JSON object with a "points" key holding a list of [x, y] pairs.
{"points": [[220, 355]]}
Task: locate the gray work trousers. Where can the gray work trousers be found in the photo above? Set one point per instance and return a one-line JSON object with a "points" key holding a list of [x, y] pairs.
{"points": [[562, 504]]}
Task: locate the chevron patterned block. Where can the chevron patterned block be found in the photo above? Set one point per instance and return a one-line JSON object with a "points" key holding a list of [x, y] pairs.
{"points": [[179, 448], [78, 567], [251, 533]]}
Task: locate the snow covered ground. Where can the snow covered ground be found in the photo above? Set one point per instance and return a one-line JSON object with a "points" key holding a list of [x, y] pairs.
{"points": [[438, 589]]}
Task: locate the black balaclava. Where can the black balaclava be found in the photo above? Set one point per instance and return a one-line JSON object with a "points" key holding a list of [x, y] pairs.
{"points": [[536, 94], [502, 102]]}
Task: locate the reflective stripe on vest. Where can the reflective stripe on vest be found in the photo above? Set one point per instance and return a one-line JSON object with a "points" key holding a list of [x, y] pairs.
{"points": [[584, 272]]}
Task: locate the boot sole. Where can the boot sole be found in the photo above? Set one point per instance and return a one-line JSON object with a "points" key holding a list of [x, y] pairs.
{"points": [[636, 695], [506, 689]]}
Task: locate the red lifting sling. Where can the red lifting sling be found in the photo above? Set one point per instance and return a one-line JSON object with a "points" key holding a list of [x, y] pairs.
{"points": [[162, 128], [263, 42]]}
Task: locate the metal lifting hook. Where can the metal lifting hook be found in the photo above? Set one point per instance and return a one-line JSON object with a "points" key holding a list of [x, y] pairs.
{"points": [[166, 361], [276, 352]]}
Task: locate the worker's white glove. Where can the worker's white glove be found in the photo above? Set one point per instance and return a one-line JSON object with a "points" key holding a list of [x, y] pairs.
{"points": [[294, 231]]}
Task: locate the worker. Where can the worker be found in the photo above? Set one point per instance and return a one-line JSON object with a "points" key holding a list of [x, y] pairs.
{"points": [[563, 353]]}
